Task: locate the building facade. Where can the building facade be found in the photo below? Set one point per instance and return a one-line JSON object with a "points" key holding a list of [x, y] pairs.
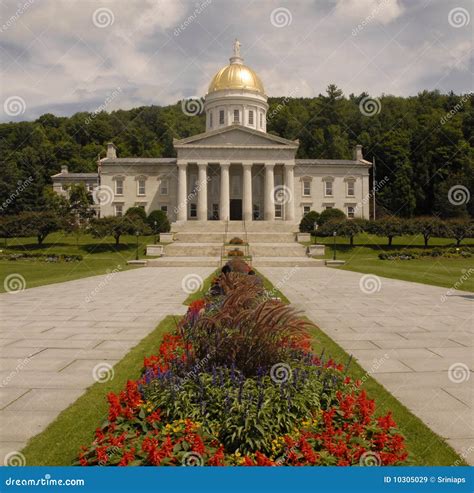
{"points": [[235, 170]]}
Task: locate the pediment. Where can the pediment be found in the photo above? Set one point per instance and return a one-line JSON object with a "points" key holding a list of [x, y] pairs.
{"points": [[235, 135]]}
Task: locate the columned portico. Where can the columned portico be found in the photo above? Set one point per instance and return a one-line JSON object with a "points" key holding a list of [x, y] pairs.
{"points": [[269, 212], [202, 192], [182, 206], [290, 184], [225, 194], [247, 191]]}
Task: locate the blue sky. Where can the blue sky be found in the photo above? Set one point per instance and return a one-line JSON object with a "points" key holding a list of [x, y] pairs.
{"points": [[64, 56]]}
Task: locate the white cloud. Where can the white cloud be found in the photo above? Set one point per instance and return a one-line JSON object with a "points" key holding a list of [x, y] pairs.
{"points": [[56, 59]]}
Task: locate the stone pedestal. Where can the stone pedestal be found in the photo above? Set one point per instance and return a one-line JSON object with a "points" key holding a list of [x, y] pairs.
{"points": [[316, 250], [154, 250], [166, 237], [303, 237]]}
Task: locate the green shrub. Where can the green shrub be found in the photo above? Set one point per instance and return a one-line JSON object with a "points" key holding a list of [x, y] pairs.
{"points": [[332, 214], [162, 222], [308, 221]]}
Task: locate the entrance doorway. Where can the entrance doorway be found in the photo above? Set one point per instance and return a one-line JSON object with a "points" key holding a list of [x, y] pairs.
{"points": [[236, 209]]}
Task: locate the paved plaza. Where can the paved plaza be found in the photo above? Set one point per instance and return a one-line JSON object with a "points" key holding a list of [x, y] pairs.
{"points": [[53, 337], [416, 340]]}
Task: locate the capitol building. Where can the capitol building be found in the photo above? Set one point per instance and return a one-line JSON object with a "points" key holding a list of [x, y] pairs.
{"points": [[234, 171]]}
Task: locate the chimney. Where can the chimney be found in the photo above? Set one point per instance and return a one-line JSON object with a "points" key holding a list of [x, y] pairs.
{"points": [[64, 170], [358, 153], [111, 150]]}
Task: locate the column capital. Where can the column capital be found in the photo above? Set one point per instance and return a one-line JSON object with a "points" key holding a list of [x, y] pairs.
{"points": [[247, 164], [224, 165], [182, 164], [269, 166], [202, 164], [289, 165]]}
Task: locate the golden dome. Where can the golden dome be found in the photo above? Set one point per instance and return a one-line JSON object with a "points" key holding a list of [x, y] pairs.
{"points": [[236, 76]]}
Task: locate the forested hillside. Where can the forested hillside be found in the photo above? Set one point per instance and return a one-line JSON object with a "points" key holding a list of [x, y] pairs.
{"points": [[423, 144]]}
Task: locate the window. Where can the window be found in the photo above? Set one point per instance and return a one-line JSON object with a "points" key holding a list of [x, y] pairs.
{"points": [[221, 117], [251, 117], [193, 210], [306, 209], [278, 211], [328, 188], [236, 116], [350, 211], [350, 188], [261, 120], [164, 208], [306, 188], [141, 186], [119, 186], [64, 188], [328, 207], [210, 119], [118, 210], [164, 187]]}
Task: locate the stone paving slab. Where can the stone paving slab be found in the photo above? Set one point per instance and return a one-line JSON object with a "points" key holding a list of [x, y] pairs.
{"points": [[52, 337], [422, 335]]}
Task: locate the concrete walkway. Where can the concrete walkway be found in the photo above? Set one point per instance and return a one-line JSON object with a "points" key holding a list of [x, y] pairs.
{"points": [[56, 340], [416, 340]]}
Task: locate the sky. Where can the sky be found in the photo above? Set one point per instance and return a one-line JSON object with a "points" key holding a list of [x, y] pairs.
{"points": [[65, 56]]}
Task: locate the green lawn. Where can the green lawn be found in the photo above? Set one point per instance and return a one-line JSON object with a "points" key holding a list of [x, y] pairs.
{"points": [[75, 426], [363, 257], [99, 257]]}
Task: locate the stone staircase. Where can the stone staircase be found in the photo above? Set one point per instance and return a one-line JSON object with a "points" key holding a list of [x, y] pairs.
{"points": [[201, 243]]}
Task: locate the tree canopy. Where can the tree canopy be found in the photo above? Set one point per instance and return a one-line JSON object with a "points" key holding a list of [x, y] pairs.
{"points": [[421, 144]]}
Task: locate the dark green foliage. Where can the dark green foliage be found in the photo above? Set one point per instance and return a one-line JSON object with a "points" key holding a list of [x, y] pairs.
{"points": [[458, 229], [348, 228], [427, 227], [308, 221], [39, 224], [162, 222], [389, 226], [421, 159], [117, 226], [136, 213], [332, 214]]}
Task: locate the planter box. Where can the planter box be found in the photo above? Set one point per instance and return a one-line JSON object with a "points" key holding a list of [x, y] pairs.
{"points": [[137, 262], [166, 237], [154, 250], [303, 237], [316, 250]]}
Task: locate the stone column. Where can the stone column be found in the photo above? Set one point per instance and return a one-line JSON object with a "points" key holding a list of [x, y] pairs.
{"points": [[269, 212], [225, 195], [290, 193], [202, 192], [182, 206], [247, 202]]}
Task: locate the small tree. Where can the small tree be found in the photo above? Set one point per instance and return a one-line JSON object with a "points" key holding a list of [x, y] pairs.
{"points": [[428, 227], [161, 220], [136, 212], [39, 224], [389, 226], [308, 221], [348, 228], [331, 215], [80, 209], [459, 229], [116, 227]]}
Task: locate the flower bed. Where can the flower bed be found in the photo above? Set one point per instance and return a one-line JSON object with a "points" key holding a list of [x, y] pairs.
{"points": [[44, 257], [411, 254], [238, 384]]}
